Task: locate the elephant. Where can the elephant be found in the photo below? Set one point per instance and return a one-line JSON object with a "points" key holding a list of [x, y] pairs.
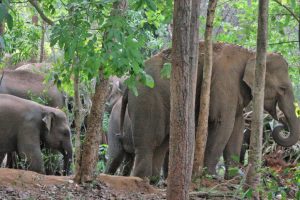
{"points": [[119, 148], [27, 85], [231, 91], [117, 88], [39, 68], [25, 125]]}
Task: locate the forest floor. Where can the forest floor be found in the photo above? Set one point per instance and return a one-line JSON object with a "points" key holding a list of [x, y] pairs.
{"points": [[20, 184]]}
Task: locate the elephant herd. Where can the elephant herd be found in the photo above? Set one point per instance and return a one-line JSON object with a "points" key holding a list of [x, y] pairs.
{"points": [[138, 133], [139, 125], [25, 126]]}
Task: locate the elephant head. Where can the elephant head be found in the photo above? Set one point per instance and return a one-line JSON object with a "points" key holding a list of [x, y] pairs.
{"points": [[278, 90], [117, 89], [57, 135]]}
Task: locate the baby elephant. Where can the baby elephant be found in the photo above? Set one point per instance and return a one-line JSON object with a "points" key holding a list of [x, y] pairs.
{"points": [[25, 125]]}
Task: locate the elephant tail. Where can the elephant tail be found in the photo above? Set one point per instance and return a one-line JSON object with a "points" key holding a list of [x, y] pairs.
{"points": [[123, 110]]}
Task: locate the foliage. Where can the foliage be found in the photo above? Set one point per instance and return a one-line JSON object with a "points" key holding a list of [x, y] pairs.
{"points": [[94, 37]]}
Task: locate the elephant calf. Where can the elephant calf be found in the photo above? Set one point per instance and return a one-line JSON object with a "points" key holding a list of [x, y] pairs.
{"points": [[24, 125]]}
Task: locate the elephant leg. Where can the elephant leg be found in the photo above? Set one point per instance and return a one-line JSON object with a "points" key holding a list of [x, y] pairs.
{"points": [[142, 163], [9, 160], [245, 145], [29, 149], [166, 166], [2, 156], [158, 158], [115, 158], [128, 164], [233, 148], [219, 132], [33, 156]]}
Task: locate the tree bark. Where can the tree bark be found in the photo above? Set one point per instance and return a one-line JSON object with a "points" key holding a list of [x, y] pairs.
{"points": [[182, 88], [202, 125], [89, 156], [77, 120], [90, 147], [255, 151]]}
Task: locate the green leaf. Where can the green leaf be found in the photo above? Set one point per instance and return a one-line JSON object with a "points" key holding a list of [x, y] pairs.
{"points": [[149, 81], [9, 21], [165, 72]]}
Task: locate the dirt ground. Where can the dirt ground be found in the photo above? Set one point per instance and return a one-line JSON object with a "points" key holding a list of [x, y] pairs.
{"points": [[20, 184]]}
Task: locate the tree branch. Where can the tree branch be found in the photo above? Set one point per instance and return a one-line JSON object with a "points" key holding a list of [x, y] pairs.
{"points": [[289, 10], [40, 11]]}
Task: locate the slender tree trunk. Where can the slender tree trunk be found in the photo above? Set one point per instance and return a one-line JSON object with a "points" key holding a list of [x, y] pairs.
{"points": [[77, 120], [89, 156], [202, 125], [253, 176], [42, 45], [182, 88]]}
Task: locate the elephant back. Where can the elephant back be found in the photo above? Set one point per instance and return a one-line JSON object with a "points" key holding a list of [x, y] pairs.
{"points": [[28, 85]]}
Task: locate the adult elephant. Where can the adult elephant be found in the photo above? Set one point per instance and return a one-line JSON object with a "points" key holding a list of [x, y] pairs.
{"points": [[231, 91], [28, 85], [26, 124]]}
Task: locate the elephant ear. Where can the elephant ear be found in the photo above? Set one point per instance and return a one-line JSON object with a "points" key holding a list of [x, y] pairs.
{"points": [[47, 119], [249, 73]]}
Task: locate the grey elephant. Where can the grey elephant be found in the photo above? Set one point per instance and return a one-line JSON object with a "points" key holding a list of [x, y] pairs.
{"points": [[39, 68], [231, 91], [117, 88], [25, 125], [26, 84], [119, 148]]}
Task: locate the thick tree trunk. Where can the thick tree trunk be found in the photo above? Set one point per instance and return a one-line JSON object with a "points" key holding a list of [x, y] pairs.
{"points": [[202, 125], [182, 88], [90, 147], [253, 176]]}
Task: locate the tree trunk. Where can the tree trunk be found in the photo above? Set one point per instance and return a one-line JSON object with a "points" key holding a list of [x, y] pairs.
{"points": [[182, 88], [202, 125], [90, 147], [255, 151], [77, 120]]}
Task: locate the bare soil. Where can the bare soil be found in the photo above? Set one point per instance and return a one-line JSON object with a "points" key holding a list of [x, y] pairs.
{"points": [[20, 184]]}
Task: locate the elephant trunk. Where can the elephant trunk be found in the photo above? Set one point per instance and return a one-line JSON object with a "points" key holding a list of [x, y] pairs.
{"points": [[68, 155], [286, 104]]}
